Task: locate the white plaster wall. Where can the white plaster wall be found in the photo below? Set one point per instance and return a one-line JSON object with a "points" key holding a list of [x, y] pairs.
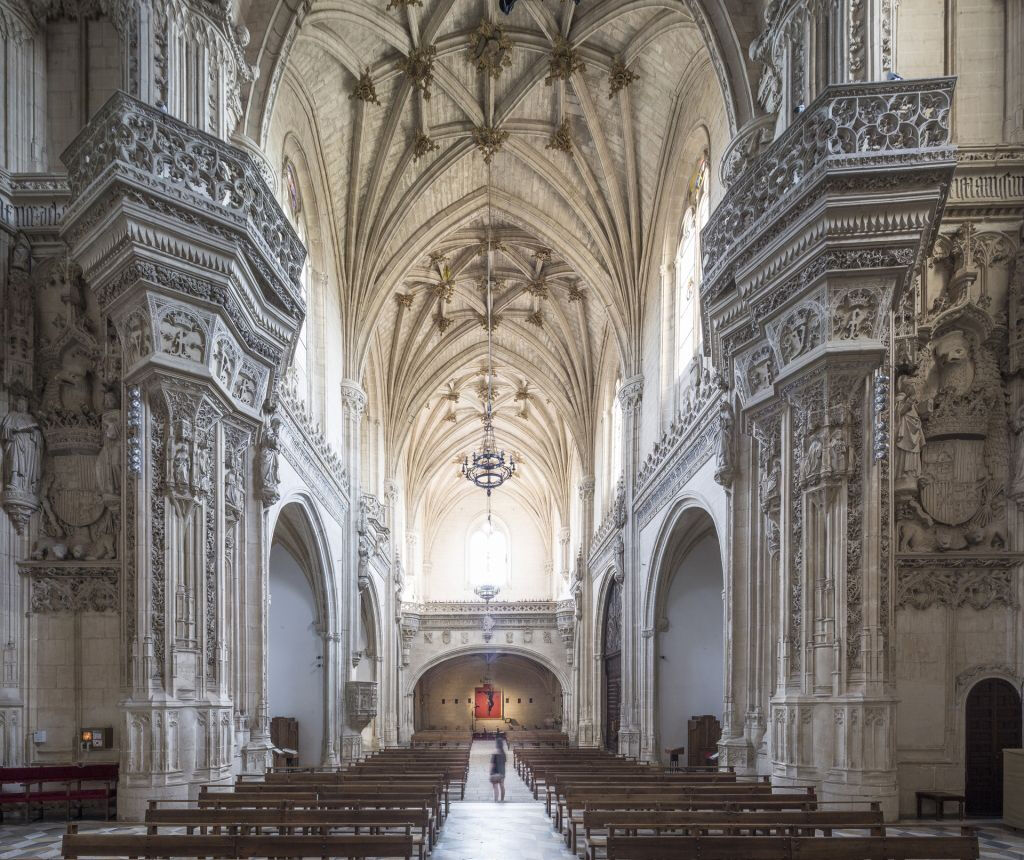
{"points": [[689, 655], [532, 695], [448, 579], [294, 679]]}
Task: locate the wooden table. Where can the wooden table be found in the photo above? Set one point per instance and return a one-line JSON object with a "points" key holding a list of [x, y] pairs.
{"points": [[940, 798]]}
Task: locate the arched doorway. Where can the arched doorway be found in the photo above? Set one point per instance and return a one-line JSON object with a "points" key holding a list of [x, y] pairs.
{"points": [[523, 694], [992, 722], [690, 648], [297, 623], [611, 665]]}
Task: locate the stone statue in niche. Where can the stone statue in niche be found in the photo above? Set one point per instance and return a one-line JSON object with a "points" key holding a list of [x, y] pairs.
{"points": [[908, 439], [724, 456], [108, 463], [234, 490], [814, 450], [21, 441], [267, 469], [1017, 487], [769, 485]]}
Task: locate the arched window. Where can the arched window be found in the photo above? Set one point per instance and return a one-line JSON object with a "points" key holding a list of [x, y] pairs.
{"points": [[489, 554], [616, 452], [688, 271], [293, 198]]}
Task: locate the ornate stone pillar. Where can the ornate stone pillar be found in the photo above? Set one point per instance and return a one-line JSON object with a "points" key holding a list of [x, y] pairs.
{"points": [[801, 349], [354, 405], [201, 346], [630, 397], [589, 618]]}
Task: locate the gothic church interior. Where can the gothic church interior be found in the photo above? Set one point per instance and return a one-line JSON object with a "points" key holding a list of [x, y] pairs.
{"points": [[626, 377]]}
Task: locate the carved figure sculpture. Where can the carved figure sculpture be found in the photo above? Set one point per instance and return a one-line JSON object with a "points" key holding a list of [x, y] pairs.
{"points": [[267, 465], [909, 439], [108, 463], [724, 457], [769, 486], [1017, 486], [22, 443]]}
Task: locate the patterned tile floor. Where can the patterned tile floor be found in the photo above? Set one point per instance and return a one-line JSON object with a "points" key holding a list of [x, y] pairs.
{"points": [[479, 828]]}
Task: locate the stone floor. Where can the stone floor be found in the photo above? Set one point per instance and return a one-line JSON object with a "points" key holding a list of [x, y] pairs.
{"points": [[480, 829]]}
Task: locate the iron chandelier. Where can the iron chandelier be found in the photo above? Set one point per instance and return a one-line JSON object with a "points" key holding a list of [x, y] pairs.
{"points": [[487, 467]]}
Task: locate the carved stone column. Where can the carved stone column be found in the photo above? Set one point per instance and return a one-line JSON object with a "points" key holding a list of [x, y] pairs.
{"points": [[354, 405], [630, 397], [800, 277], [201, 346], [590, 682]]}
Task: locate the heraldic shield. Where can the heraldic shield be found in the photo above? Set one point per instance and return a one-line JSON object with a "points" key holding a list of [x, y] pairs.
{"points": [[953, 479]]}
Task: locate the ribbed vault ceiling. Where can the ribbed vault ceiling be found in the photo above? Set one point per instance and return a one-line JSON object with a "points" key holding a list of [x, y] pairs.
{"points": [[573, 225]]}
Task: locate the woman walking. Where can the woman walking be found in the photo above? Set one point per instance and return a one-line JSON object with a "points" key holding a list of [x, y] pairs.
{"points": [[498, 771]]}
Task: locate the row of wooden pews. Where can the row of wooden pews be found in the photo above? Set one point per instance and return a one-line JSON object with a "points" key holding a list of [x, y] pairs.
{"points": [[392, 804], [611, 808], [441, 739]]}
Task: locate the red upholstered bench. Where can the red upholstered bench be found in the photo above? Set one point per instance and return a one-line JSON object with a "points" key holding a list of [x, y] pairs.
{"points": [[64, 783]]}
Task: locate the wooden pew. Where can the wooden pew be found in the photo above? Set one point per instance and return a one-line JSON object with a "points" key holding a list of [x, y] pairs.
{"points": [[289, 821], [596, 822], [623, 847], [65, 784], [763, 802], [80, 845]]}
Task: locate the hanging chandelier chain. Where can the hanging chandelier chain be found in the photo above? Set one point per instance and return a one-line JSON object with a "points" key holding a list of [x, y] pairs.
{"points": [[487, 468]]}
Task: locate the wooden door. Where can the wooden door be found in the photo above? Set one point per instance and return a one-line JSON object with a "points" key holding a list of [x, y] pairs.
{"points": [[993, 723], [612, 700], [611, 643]]}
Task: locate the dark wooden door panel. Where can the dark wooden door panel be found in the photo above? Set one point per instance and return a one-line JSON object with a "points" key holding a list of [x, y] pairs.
{"points": [[992, 723]]}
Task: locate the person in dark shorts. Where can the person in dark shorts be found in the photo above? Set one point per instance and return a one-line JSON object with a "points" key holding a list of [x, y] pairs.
{"points": [[498, 770]]}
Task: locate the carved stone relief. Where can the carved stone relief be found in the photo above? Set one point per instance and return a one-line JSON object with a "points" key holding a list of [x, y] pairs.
{"points": [[951, 452], [182, 335]]}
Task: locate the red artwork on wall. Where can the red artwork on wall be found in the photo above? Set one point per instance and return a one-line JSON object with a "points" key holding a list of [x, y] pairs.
{"points": [[488, 703]]}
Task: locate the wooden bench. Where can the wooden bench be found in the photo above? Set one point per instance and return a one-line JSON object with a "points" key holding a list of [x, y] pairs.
{"points": [[940, 799], [623, 847], [597, 822], [76, 845], [65, 784], [414, 823]]}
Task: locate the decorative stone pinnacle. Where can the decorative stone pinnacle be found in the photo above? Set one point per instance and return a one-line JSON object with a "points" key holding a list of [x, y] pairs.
{"points": [[423, 144], [564, 63], [561, 138], [489, 141], [419, 68], [364, 90], [620, 77]]}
